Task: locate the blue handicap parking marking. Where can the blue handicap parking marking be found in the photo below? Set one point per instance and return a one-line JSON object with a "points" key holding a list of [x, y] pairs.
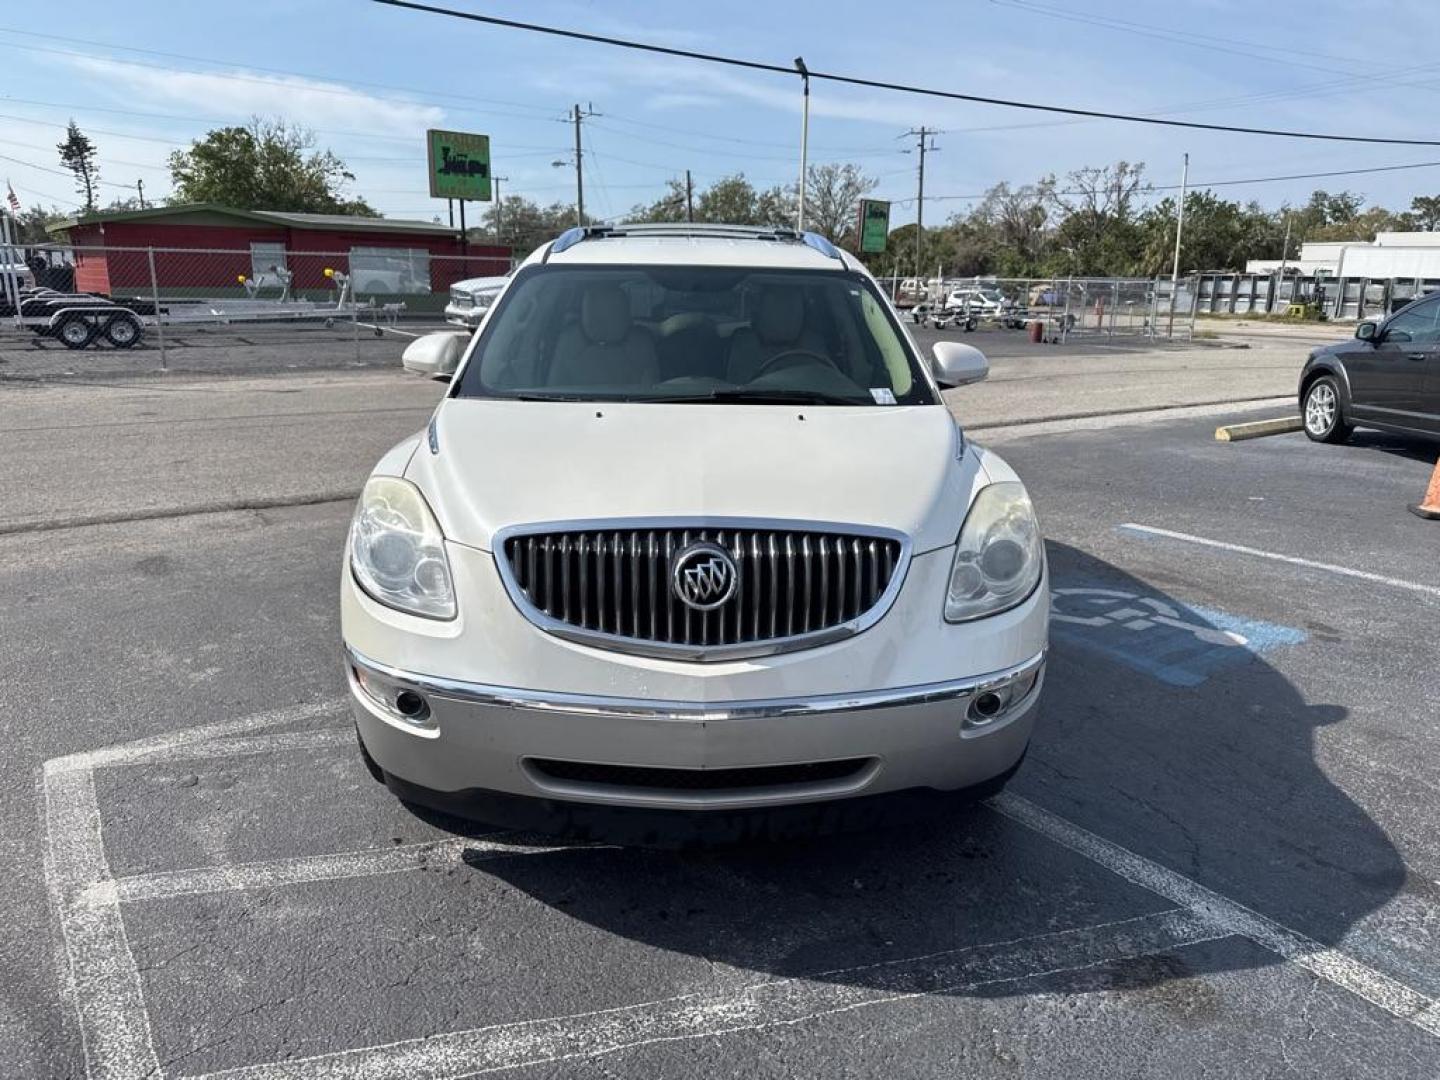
{"points": [[1180, 644]]}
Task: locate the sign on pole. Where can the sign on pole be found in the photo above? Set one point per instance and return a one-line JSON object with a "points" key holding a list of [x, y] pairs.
{"points": [[459, 165], [874, 224]]}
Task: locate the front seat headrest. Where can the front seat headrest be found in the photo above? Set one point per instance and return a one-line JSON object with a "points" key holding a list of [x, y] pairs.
{"points": [[605, 314], [780, 315]]}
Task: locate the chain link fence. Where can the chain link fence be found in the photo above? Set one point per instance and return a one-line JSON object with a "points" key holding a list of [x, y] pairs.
{"points": [[1063, 307], [163, 301]]}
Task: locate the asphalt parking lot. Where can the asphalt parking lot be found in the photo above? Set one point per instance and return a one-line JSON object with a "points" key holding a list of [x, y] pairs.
{"points": [[1220, 857]]}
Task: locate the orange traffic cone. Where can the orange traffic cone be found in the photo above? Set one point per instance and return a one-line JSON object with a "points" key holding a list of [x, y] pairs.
{"points": [[1430, 508]]}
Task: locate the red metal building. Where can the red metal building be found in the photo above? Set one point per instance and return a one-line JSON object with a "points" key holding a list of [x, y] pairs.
{"points": [[203, 249]]}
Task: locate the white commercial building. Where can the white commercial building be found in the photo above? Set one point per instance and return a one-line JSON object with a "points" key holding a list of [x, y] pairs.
{"points": [[1391, 255]]}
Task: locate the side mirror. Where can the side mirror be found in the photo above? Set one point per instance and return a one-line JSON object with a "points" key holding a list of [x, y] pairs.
{"points": [[956, 364], [1368, 331], [436, 355]]}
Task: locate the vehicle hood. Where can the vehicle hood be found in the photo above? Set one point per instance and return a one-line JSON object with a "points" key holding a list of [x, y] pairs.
{"points": [[480, 284], [503, 463]]}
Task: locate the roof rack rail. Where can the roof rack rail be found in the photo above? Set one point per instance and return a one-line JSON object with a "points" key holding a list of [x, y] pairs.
{"points": [[570, 237]]}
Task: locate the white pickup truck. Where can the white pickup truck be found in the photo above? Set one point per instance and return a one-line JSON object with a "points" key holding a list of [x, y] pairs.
{"points": [[471, 299]]}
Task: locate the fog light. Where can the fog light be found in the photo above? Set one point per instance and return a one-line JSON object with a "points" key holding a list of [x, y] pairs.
{"points": [[411, 705], [395, 700], [986, 708]]}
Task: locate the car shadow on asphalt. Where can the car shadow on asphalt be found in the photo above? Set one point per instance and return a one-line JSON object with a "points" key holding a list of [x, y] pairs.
{"points": [[1414, 448], [1193, 752]]}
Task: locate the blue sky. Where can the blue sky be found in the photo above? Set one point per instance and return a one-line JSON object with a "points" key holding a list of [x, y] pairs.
{"points": [[369, 79]]}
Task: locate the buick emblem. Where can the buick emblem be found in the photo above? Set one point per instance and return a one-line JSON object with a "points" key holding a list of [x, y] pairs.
{"points": [[703, 576]]}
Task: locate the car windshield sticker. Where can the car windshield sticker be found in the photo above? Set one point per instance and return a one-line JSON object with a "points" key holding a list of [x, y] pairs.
{"points": [[883, 395]]}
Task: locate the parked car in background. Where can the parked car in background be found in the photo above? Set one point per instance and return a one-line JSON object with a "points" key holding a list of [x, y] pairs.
{"points": [[472, 298], [386, 275], [692, 530], [986, 303], [1386, 377]]}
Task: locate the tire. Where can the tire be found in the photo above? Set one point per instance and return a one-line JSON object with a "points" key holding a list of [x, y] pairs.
{"points": [[75, 332], [1322, 412], [374, 287], [122, 331]]}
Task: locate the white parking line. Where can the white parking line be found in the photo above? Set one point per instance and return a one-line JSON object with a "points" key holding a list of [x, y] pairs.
{"points": [[1293, 560], [159, 745], [754, 1007], [273, 873], [1328, 963], [105, 987], [100, 978]]}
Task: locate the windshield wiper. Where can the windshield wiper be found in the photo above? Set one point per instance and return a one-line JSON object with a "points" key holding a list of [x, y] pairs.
{"points": [[764, 397]]}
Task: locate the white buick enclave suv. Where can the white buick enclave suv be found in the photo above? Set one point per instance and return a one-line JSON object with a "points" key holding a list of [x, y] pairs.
{"points": [[693, 529]]}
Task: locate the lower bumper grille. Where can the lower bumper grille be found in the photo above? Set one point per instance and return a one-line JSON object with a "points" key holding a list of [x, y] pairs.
{"points": [[639, 776]]}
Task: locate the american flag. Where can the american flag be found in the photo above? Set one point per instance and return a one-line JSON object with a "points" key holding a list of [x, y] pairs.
{"points": [[12, 198]]}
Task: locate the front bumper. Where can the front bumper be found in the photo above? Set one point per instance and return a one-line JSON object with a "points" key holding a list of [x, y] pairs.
{"points": [[779, 751], [468, 317]]}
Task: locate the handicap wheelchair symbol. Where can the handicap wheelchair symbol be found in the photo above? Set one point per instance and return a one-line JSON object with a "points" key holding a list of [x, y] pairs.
{"points": [[1177, 643], [1134, 613]]}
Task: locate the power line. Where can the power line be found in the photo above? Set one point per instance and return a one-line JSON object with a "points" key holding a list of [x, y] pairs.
{"points": [[880, 84]]}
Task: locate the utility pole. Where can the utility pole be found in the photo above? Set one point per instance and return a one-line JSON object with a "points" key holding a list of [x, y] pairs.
{"points": [[922, 148], [577, 116], [1179, 232], [689, 197], [804, 137], [140, 190]]}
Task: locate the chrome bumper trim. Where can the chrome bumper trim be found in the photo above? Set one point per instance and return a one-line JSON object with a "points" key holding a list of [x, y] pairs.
{"points": [[504, 697]]}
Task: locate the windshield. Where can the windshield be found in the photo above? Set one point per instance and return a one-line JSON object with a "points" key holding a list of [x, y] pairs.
{"points": [[694, 334]]}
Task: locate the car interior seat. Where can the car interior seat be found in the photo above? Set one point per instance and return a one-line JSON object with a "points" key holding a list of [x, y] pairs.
{"points": [[777, 326], [606, 348]]}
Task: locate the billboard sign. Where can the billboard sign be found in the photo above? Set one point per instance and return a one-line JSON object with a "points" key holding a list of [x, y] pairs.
{"points": [[459, 165], [874, 224]]}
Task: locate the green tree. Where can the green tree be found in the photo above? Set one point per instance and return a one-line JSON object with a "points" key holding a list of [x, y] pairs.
{"points": [[33, 222], [832, 200], [1425, 211], [1099, 230], [78, 154], [267, 165], [669, 207], [1219, 235], [523, 225]]}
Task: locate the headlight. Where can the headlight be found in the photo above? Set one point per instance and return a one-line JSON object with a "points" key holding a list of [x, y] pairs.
{"points": [[1000, 556], [397, 552]]}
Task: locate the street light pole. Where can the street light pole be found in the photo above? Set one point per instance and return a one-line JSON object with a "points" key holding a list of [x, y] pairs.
{"points": [[804, 136], [1179, 232]]}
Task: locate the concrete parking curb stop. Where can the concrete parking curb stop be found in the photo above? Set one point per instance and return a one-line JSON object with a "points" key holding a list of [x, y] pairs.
{"points": [[1257, 429]]}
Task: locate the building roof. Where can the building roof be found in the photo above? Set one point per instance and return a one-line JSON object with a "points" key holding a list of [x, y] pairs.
{"points": [[215, 213]]}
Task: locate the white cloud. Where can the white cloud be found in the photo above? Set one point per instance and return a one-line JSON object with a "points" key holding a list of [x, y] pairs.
{"points": [[242, 94]]}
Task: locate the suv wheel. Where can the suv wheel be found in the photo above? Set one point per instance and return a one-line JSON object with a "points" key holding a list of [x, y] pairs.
{"points": [[1323, 418]]}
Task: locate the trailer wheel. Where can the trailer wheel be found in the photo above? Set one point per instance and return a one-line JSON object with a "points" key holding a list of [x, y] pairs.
{"points": [[76, 332], [122, 331]]}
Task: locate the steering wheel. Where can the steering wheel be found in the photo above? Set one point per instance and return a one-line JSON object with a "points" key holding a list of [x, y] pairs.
{"points": [[789, 355]]}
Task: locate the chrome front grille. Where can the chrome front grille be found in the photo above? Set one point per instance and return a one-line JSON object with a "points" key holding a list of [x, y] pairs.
{"points": [[796, 586]]}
